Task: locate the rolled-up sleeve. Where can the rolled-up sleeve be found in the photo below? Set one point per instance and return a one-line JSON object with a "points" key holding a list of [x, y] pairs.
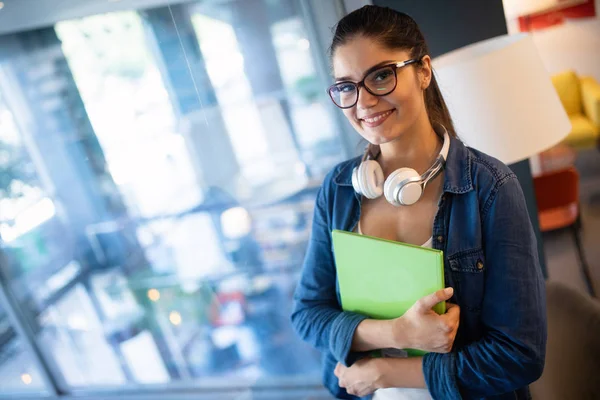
{"points": [[511, 353], [317, 316]]}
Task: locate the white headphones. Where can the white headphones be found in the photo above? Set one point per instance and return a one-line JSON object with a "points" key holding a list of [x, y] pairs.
{"points": [[404, 186]]}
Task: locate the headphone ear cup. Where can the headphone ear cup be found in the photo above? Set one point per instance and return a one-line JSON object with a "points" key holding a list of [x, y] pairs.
{"points": [[408, 193], [367, 179]]}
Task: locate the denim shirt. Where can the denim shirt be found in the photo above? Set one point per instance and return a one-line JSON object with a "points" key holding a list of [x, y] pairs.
{"points": [[490, 259]]}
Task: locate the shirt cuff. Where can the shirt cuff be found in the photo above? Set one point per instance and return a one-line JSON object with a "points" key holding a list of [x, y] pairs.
{"points": [[440, 376], [341, 335]]}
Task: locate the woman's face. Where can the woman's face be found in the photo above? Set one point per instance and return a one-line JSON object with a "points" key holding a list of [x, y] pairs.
{"points": [[382, 119]]}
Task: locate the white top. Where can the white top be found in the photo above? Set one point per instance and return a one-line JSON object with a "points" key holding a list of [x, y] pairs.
{"points": [[401, 393], [428, 243]]}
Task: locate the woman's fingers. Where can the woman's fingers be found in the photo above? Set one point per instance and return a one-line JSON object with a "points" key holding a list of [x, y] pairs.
{"points": [[452, 313], [428, 302]]}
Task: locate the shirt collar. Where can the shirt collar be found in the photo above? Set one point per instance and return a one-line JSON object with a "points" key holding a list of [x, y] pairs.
{"points": [[457, 173]]}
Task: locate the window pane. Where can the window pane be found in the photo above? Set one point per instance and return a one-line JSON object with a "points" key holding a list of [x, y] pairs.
{"points": [[18, 191], [168, 160], [18, 373]]}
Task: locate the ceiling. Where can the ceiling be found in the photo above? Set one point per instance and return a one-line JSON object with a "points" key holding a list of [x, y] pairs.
{"points": [[21, 15]]}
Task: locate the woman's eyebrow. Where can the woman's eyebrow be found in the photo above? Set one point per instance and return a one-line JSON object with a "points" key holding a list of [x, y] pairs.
{"points": [[347, 78]]}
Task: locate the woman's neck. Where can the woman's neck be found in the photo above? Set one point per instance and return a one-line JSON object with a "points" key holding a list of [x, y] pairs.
{"points": [[416, 148]]}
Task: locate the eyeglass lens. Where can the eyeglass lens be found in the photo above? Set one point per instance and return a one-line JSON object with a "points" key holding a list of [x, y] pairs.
{"points": [[380, 82]]}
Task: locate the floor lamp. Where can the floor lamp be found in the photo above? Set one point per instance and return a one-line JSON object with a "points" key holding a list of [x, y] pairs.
{"points": [[503, 103]]}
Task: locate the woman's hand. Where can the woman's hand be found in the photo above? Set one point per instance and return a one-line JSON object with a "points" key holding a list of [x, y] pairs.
{"points": [[362, 378], [422, 328]]}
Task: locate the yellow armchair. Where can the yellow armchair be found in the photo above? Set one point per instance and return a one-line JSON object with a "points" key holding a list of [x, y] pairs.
{"points": [[581, 99]]}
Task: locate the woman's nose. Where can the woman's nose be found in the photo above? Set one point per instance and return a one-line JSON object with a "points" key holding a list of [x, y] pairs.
{"points": [[366, 99]]}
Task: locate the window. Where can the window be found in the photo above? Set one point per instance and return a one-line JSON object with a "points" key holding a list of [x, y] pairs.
{"points": [[168, 161]]}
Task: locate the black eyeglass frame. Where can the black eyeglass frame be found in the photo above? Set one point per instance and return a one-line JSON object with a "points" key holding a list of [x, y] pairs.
{"points": [[397, 65]]}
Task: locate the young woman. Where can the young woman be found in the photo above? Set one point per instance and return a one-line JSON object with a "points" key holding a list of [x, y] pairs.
{"points": [[417, 183]]}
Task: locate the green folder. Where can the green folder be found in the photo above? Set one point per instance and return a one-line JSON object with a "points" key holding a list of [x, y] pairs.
{"points": [[382, 278]]}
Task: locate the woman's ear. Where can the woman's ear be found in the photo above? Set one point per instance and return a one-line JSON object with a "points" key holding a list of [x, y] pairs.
{"points": [[425, 72]]}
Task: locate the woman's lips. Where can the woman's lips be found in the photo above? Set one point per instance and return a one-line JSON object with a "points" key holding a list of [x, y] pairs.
{"points": [[377, 119]]}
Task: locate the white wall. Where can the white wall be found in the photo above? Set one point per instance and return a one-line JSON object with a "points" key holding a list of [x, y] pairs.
{"points": [[514, 8], [573, 45]]}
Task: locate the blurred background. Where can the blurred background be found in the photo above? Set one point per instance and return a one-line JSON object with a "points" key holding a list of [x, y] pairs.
{"points": [[159, 160]]}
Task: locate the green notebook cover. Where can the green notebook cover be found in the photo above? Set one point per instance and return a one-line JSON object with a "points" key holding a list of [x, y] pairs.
{"points": [[382, 278]]}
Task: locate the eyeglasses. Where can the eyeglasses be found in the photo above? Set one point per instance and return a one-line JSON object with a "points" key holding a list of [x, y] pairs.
{"points": [[379, 81]]}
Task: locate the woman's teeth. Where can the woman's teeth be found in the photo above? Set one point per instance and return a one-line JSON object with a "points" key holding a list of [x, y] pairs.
{"points": [[377, 118]]}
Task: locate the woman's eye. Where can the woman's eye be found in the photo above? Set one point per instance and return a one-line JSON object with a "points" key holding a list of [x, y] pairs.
{"points": [[383, 75], [346, 88]]}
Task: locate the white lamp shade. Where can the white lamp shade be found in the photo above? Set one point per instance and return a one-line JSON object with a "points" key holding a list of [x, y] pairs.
{"points": [[501, 98]]}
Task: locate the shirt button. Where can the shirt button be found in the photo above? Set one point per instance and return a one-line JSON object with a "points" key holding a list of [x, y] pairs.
{"points": [[440, 238], [479, 264]]}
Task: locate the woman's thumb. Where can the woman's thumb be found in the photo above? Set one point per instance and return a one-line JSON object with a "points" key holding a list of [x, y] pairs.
{"points": [[431, 300]]}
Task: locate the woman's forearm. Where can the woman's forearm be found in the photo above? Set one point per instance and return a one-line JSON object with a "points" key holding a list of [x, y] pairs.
{"points": [[402, 373], [372, 334]]}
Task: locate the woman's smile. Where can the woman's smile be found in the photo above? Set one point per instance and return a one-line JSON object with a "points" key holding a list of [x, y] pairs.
{"points": [[376, 119]]}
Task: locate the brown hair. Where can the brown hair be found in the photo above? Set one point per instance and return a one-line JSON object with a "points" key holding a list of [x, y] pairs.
{"points": [[394, 30]]}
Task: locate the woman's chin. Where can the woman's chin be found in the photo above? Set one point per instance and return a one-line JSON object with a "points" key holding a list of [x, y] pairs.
{"points": [[378, 138], [383, 134]]}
